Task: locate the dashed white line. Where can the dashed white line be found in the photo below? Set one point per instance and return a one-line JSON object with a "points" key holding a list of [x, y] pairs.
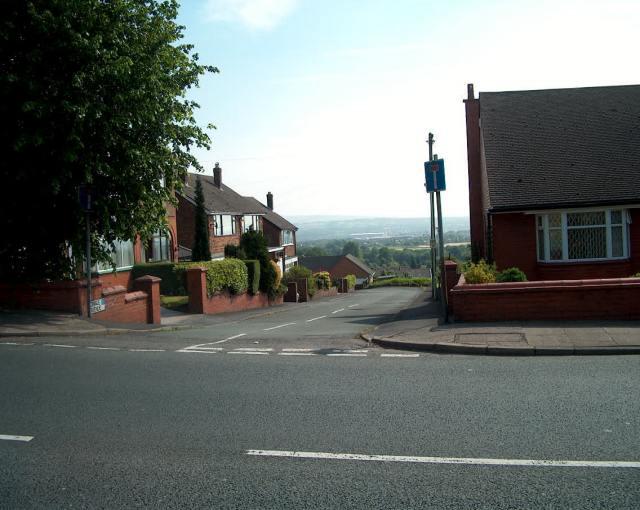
{"points": [[61, 345], [351, 351], [104, 348], [297, 354], [227, 339], [9, 437], [254, 349], [316, 318], [297, 350], [344, 354], [340, 310], [15, 343], [399, 355], [248, 352], [208, 351], [447, 460], [280, 326], [147, 350], [351, 306]]}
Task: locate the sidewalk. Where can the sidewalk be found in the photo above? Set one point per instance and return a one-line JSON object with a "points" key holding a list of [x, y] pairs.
{"points": [[419, 328]]}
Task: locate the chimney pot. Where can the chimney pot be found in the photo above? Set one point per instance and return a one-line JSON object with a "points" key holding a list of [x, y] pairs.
{"points": [[217, 175], [270, 200], [470, 94]]}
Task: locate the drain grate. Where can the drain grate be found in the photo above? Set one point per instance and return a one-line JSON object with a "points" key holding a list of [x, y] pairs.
{"points": [[490, 338]]}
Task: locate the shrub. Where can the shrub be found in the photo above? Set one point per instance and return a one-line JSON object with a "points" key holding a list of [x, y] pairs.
{"points": [[637, 275], [480, 272], [323, 279], [254, 246], [227, 274], [278, 280], [253, 272], [402, 282], [513, 274], [235, 252], [171, 284], [298, 272]]}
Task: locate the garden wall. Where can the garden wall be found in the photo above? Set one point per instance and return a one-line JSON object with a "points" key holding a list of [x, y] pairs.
{"points": [[200, 302], [613, 298]]}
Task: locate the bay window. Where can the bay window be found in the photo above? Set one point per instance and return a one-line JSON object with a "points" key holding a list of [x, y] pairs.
{"points": [[224, 225], [582, 235], [250, 222]]}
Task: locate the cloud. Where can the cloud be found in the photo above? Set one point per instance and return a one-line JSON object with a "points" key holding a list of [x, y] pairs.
{"points": [[254, 14]]}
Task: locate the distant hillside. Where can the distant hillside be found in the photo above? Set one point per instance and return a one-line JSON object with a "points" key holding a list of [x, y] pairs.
{"points": [[315, 228]]}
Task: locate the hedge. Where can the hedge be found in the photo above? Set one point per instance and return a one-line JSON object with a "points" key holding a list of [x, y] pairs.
{"points": [[351, 281], [402, 282], [172, 283], [226, 274], [253, 272]]}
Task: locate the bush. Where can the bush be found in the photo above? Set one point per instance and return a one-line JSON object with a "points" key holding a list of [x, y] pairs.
{"points": [[235, 252], [299, 272], [402, 282], [480, 273], [227, 274], [278, 280], [637, 275], [172, 283], [351, 281], [323, 279], [513, 274], [253, 272]]}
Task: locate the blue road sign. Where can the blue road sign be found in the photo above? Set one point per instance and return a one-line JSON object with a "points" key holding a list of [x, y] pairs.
{"points": [[434, 175]]}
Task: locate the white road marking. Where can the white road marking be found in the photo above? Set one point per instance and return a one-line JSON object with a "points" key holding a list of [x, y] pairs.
{"points": [[297, 350], [15, 343], [447, 460], [351, 306], [399, 355], [316, 318], [340, 310], [61, 345], [342, 354], [104, 348], [147, 350], [248, 352], [280, 326], [24, 439], [227, 339], [297, 354], [351, 351], [256, 349], [208, 351]]}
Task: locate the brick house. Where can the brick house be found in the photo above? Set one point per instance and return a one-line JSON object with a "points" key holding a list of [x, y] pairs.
{"points": [[554, 181], [280, 234], [339, 266], [230, 215]]}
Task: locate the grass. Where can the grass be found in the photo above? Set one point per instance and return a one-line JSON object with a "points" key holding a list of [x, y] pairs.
{"points": [[402, 282], [179, 303]]}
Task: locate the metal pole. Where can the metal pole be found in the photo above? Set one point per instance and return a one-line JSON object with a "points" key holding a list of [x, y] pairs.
{"points": [[88, 265], [432, 242], [443, 290]]}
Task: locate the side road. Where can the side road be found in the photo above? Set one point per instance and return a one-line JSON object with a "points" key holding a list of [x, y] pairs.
{"points": [[419, 328]]}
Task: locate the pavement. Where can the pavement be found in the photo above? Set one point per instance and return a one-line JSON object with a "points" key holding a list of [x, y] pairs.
{"points": [[420, 328]]}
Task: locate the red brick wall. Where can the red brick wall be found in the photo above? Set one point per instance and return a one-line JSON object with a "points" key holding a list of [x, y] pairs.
{"points": [[185, 218], [271, 232], [345, 267], [514, 245], [548, 300]]}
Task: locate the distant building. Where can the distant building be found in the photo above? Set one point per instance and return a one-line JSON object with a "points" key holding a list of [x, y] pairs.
{"points": [[340, 266]]}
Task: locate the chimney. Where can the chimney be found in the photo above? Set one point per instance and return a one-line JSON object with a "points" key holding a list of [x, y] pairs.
{"points": [[217, 175], [270, 200]]}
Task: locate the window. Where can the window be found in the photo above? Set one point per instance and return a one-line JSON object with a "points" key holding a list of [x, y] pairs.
{"points": [[158, 248], [250, 222], [224, 225], [582, 235], [122, 256], [287, 237]]}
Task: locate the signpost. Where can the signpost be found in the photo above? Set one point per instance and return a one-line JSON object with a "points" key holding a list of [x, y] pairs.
{"points": [[435, 182], [84, 197]]}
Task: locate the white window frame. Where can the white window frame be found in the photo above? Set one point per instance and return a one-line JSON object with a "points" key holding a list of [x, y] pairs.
{"points": [[284, 237], [218, 225], [255, 222], [120, 246], [564, 228]]}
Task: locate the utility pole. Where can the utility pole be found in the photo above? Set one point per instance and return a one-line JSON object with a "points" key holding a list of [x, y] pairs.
{"points": [[432, 242], [443, 290]]}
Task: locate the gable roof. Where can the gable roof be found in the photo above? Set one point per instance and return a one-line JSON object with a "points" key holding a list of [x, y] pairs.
{"points": [[221, 200], [272, 216], [561, 148], [327, 262]]}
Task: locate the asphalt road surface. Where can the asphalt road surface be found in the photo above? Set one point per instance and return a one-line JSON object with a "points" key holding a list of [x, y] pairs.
{"points": [[103, 428]]}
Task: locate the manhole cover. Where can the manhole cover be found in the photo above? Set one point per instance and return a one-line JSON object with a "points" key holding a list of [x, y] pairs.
{"points": [[490, 338]]}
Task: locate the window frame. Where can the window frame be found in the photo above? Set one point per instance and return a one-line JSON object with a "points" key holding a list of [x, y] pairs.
{"points": [[218, 225], [284, 238], [255, 222], [119, 245], [542, 225]]}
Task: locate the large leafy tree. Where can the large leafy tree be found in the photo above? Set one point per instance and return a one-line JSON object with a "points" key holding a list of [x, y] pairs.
{"points": [[92, 91], [201, 250]]}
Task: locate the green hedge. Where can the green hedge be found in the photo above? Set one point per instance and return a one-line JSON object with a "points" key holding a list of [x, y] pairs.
{"points": [[172, 283], [402, 282], [253, 272], [351, 281], [226, 274]]}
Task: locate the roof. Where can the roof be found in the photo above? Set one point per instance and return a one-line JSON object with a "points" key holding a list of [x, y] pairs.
{"points": [[327, 262], [562, 148], [221, 200], [272, 216]]}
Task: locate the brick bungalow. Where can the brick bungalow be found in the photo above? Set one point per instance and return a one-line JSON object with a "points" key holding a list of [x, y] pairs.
{"points": [[339, 266], [554, 181], [280, 234]]}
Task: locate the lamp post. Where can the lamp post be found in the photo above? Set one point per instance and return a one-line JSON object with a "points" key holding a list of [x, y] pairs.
{"points": [[84, 196]]}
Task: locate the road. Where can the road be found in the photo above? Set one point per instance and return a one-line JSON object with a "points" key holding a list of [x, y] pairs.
{"points": [[169, 429]]}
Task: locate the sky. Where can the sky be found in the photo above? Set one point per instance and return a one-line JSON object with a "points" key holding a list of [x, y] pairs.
{"points": [[328, 103]]}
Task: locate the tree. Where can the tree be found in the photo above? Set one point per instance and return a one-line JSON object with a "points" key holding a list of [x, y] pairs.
{"points": [[353, 248], [254, 245], [200, 249], [92, 92]]}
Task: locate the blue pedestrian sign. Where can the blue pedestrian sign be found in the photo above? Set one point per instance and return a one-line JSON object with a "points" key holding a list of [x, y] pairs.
{"points": [[434, 175]]}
